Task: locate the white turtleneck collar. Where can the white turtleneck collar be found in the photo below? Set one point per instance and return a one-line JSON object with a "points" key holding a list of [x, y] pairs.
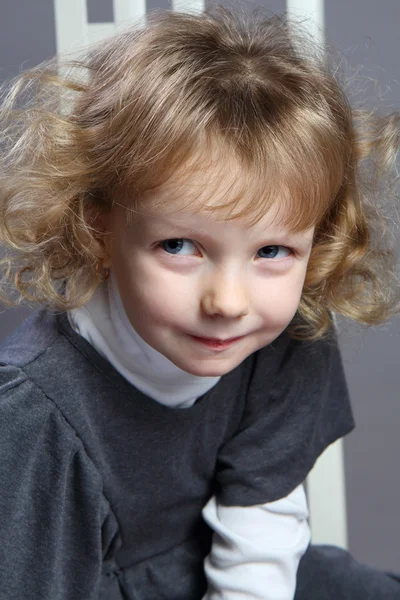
{"points": [[105, 325]]}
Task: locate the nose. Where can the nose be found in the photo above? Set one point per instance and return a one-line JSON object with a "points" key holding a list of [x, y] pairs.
{"points": [[225, 297]]}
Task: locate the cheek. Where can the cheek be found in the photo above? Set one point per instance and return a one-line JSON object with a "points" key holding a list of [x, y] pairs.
{"points": [[279, 299], [150, 293]]}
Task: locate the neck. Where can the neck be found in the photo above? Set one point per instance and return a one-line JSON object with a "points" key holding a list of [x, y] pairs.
{"points": [[105, 325]]}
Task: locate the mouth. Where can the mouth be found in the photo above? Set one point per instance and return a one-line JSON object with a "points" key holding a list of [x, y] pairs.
{"points": [[216, 343]]}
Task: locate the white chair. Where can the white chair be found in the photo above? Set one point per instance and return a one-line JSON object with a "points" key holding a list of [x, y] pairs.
{"points": [[327, 499], [73, 31]]}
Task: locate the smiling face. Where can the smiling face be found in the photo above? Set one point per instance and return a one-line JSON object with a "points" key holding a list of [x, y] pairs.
{"points": [[203, 291]]}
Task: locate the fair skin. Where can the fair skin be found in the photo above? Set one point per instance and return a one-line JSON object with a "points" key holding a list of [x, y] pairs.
{"points": [[203, 291]]}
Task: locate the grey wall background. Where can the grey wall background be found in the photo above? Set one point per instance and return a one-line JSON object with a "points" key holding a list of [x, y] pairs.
{"points": [[366, 33]]}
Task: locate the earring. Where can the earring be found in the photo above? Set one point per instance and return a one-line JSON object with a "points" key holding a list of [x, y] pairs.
{"points": [[102, 272]]}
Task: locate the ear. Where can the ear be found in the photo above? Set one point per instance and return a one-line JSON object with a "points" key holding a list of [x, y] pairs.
{"points": [[100, 223]]}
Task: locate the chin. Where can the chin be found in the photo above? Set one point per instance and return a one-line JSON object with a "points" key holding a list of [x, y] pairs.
{"points": [[205, 369]]}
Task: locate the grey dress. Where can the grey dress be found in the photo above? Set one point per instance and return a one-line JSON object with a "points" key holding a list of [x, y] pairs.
{"points": [[101, 487]]}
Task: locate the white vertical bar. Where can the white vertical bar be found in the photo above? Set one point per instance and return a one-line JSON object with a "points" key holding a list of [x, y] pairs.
{"points": [[100, 31], [126, 11], [71, 24], [327, 498], [188, 5], [313, 11]]}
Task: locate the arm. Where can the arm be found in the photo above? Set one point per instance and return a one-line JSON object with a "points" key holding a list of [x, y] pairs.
{"points": [[296, 405], [51, 507], [256, 549]]}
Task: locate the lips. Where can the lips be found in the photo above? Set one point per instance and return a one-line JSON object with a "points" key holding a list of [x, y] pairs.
{"points": [[217, 340], [216, 343]]}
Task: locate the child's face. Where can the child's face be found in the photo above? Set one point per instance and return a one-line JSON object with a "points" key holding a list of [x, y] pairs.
{"points": [[203, 292]]}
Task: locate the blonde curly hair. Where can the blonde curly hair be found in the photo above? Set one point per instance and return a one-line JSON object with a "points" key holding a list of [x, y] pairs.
{"points": [[124, 118]]}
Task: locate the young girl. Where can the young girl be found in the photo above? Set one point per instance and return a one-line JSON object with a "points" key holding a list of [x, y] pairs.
{"points": [[188, 206]]}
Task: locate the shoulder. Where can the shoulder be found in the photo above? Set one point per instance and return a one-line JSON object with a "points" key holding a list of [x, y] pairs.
{"points": [[29, 420], [299, 389], [28, 341], [297, 404], [294, 365], [31, 423], [40, 449], [287, 351], [45, 358], [24, 407]]}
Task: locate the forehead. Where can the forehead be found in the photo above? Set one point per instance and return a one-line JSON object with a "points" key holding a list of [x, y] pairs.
{"points": [[203, 187], [218, 188], [216, 182]]}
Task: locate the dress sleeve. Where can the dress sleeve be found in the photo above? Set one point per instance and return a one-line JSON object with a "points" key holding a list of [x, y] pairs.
{"points": [[51, 504], [297, 404]]}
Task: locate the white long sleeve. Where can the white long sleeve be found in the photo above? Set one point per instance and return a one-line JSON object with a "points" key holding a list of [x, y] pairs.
{"points": [[256, 549]]}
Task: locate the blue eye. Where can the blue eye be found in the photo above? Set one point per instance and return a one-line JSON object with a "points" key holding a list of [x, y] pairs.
{"points": [[274, 252], [178, 246]]}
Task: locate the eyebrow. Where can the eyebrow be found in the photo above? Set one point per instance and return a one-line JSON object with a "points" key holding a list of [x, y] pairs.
{"points": [[157, 222], [186, 230]]}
